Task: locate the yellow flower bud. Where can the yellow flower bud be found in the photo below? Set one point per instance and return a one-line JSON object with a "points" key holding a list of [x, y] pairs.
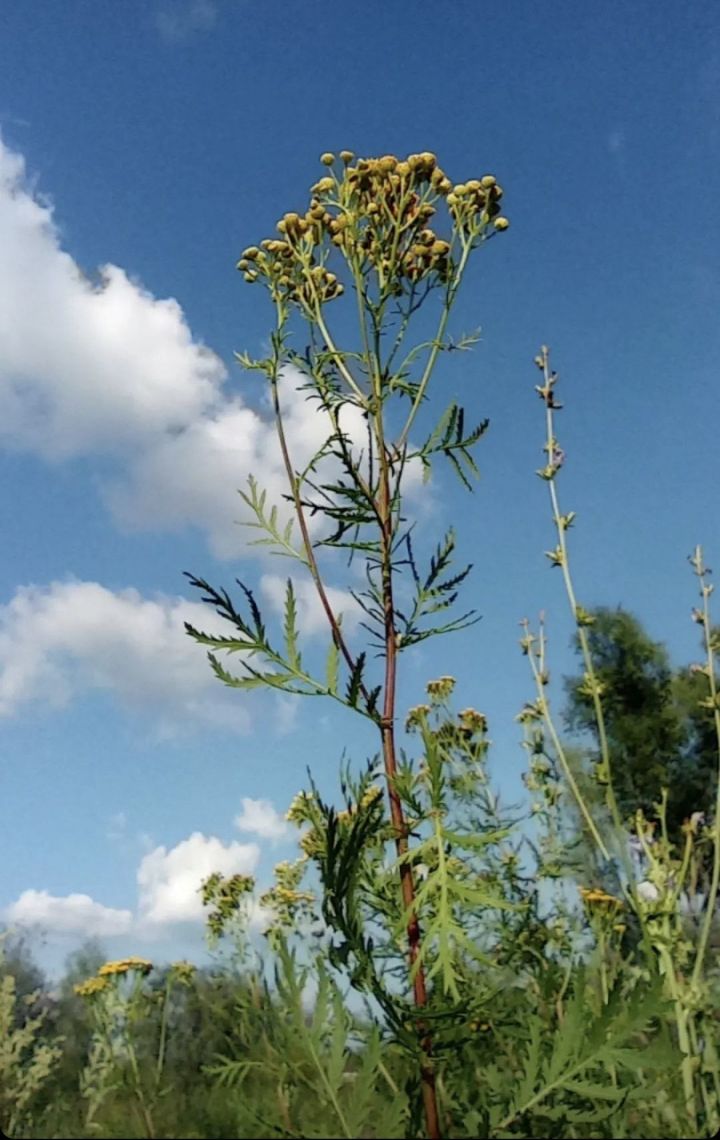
{"points": [[347, 156], [501, 223], [488, 180], [323, 186], [327, 159]]}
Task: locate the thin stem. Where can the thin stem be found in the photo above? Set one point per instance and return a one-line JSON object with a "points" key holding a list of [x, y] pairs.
{"points": [[436, 345], [302, 522], [560, 751], [553, 464], [704, 939], [387, 733]]}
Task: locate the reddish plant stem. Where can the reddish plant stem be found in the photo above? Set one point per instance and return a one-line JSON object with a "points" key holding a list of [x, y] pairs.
{"points": [[387, 730]]}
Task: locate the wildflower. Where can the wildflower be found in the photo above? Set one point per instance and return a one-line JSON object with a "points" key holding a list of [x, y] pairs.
{"points": [[183, 972], [597, 897], [125, 966], [473, 721], [371, 796], [312, 843], [416, 716], [298, 812], [91, 987], [501, 223], [327, 159], [442, 688], [323, 186]]}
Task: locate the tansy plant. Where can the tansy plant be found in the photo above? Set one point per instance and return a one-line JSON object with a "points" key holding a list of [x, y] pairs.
{"points": [[120, 1004], [425, 901], [657, 905], [395, 238]]}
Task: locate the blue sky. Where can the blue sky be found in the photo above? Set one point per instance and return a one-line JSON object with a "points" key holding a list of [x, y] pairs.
{"points": [[157, 140]]}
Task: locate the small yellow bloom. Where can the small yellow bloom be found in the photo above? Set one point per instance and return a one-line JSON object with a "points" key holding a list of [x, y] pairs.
{"points": [[327, 159], [124, 966], [596, 896], [90, 987], [441, 688]]}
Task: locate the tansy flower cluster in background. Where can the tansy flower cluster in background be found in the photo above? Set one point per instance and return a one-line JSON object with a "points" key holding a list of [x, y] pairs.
{"points": [[285, 899], [226, 897], [116, 969], [375, 212]]}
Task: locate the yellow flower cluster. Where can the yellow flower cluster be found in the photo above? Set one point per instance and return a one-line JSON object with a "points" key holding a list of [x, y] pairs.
{"points": [[226, 896], [183, 972], [472, 721], [101, 981], [124, 966], [376, 212], [299, 810], [370, 797], [441, 689], [312, 843], [284, 897], [416, 716], [596, 896], [478, 197], [91, 987]]}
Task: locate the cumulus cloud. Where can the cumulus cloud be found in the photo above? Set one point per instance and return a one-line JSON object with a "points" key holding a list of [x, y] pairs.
{"points": [[169, 880], [72, 637], [71, 914], [86, 366], [259, 817], [104, 367], [196, 473], [181, 19], [168, 883]]}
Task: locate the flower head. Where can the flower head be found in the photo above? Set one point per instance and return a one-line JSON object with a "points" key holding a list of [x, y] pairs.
{"points": [[125, 966], [441, 689], [91, 987]]}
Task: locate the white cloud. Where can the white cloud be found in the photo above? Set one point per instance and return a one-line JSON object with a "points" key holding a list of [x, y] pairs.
{"points": [[180, 19], [169, 880], [72, 637], [259, 817], [86, 367], [89, 368], [168, 883], [196, 474], [71, 914], [311, 617]]}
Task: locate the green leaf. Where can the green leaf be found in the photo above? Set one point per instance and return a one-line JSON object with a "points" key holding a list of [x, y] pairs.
{"points": [[352, 693], [332, 668], [290, 628]]}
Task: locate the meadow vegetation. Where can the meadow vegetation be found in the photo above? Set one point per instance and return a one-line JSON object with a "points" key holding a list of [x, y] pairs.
{"points": [[435, 963]]}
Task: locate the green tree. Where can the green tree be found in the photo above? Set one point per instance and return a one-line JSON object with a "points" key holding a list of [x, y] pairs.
{"points": [[658, 734]]}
